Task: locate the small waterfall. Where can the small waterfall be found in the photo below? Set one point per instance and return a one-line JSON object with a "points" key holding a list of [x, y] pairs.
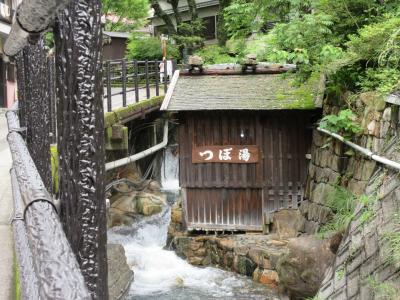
{"points": [[170, 171], [161, 274]]}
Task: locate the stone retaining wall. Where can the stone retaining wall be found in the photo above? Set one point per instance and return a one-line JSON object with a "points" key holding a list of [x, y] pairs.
{"points": [[361, 269]]}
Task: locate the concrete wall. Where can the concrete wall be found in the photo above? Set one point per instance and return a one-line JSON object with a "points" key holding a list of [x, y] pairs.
{"points": [[361, 269]]}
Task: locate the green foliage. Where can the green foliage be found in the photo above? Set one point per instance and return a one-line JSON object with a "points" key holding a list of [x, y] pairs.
{"points": [[392, 241], [367, 211], [383, 80], [240, 18], [130, 14], [342, 202], [142, 48], [214, 54], [189, 36], [382, 290], [377, 42], [343, 123], [49, 39]]}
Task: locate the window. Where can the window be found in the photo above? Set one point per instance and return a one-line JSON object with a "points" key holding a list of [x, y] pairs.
{"points": [[209, 28]]}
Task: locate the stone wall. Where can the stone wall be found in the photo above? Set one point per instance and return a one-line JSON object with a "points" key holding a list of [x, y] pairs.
{"points": [[361, 269]]}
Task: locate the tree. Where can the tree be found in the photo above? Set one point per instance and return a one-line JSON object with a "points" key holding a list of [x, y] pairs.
{"points": [[222, 34], [187, 34], [130, 14]]}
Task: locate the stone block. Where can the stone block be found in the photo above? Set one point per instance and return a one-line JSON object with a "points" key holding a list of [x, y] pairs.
{"points": [[339, 163], [387, 114], [371, 245], [311, 227], [355, 260], [377, 145], [356, 186], [120, 275], [288, 223], [321, 193], [318, 138], [339, 295], [333, 177], [353, 284], [270, 278], [385, 271], [243, 265], [384, 129], [366, 292], [369, 266], [388, 207], [368, 169], [326, 290]]}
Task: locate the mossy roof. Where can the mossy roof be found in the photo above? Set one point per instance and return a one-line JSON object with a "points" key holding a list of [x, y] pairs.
{"points": [[240, 92]]}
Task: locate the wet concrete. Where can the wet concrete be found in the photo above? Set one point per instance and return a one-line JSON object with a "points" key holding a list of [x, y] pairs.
{"points": [[7, 251]]}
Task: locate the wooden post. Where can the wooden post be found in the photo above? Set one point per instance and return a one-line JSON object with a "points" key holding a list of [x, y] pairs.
{"points": [[78, 42], [123, 82], [108, 75], [146, 68], [136, 78]]}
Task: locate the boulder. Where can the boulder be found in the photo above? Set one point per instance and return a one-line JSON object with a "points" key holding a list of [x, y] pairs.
{"points": [[149, 204], [122, 210], [250, 59], [120, 275], [117, 217], [195, 60], [288, 223], [268, 277], [244, 265], [301, 269], [154, 186]]}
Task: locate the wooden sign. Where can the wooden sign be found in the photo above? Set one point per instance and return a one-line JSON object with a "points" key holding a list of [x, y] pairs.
{"points": [[234, 154]]}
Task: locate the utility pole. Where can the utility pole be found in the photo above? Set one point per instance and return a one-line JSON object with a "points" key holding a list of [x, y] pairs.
{"points": [[80, 124]]}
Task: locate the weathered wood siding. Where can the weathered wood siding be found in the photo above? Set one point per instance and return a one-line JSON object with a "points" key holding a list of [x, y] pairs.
{"points": [[234, 196]]}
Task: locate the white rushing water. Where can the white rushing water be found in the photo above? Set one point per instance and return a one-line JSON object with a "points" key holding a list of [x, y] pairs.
{"points": [[161, 274], [170, 171]]}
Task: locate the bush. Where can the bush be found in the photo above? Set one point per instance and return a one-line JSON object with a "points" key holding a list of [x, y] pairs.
{"points": [[142, 48], [215, 55], [343, 123], [342, 202]]}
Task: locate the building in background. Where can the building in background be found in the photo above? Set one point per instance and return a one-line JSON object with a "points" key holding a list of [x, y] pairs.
{"points": [[7, 70], [206, 9], [114, 44]]}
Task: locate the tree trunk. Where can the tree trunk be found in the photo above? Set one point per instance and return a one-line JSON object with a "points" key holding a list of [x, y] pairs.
{"points": [[78, 41], [158, 11], [221, 31], [193, 10]]}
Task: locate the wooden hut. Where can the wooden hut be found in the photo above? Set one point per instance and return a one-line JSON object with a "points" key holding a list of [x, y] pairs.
{"points": [[243, 141]]}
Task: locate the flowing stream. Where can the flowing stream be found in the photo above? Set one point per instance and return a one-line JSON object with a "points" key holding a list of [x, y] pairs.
{"points": [[160, 273]]}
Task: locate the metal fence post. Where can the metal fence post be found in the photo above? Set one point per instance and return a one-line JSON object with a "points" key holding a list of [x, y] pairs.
{"points": [[157, 78], [136, 78], [146, 71], [165, 75], [123, 82], [81, 139], [37, 108], [108, 76]]}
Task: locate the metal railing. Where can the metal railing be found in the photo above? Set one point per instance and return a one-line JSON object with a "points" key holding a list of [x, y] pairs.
{"points": [[42, 248], [124, 77]]}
